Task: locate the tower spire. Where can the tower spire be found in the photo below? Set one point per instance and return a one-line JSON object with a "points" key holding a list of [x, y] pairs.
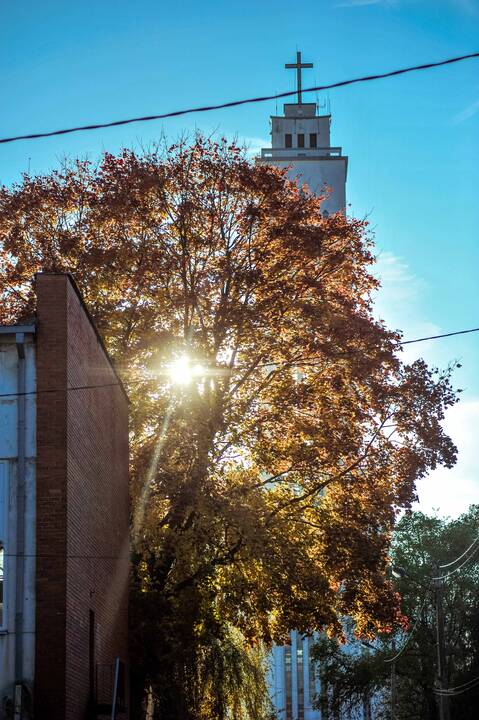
{"points": [[298, 65]]}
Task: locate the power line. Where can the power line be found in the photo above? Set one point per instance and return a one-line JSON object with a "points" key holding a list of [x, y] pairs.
{"points": [[459, 687], [235, 103], [304, 363], [451, 692], [444, 577], [435, 337], [458, 559], [67, 389], [465, 687], [406, 643]]}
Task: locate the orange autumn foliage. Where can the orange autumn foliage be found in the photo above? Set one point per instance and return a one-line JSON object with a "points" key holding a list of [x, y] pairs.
{"points": [[270, 484]]}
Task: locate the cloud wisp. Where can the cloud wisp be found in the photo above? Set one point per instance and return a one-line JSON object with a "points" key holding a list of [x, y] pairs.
{"points": [[469, 7], [253, 145], [467, 113], [397, 299], [364, 3]]}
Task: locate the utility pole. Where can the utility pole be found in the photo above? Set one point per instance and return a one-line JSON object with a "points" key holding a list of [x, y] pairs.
{"points": [[323, 696], [444, 713], [393, 682]]}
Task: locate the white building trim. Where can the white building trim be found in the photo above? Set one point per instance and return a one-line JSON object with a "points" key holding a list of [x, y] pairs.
{"points": [[17, 429]]}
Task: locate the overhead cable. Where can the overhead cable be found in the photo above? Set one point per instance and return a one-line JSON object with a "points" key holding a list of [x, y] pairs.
{"points": [[149, 380], [235, 103], [67, 389], [458, 559], [446, 575], [459, 687], [406, 643], [451, 692], [435, 337]]}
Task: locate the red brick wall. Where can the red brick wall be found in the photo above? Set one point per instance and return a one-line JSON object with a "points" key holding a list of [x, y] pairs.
{"points": [[82, 504], [51, 473]]}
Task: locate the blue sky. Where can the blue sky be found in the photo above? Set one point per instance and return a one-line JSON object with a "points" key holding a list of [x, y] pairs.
{"points": [[412, 142]]}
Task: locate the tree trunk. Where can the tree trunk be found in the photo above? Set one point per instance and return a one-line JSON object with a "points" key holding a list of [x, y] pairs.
{"points": [[150, 704]]}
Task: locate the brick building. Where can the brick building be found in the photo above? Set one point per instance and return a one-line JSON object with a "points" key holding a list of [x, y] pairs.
{"points": [[64, 512]]}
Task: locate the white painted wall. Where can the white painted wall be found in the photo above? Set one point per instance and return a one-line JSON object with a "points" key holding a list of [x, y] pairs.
{"points": [[322, 168], [8, 523], [325, 176], [319, 124]]}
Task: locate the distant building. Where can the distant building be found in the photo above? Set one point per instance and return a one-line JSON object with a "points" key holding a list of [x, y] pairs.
{"points": [[64, 513], [300, 141], [293, 679]]}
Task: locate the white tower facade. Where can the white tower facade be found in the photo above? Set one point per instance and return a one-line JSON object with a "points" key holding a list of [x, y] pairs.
{"points": [[300, 141], [293, 679]]}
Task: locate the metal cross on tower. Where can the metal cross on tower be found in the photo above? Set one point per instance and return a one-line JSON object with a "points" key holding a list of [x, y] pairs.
{"points": [[299, 66]]}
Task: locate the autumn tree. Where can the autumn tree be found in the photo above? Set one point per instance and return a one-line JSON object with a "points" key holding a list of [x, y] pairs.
{"points": [[267, 480]]}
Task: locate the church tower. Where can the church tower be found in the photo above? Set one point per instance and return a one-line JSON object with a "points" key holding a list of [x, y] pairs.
{"points": [[300, 141]]}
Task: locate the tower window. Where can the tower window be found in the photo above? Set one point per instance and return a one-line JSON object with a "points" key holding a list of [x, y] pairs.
{"points": [[313, 140], [288, 140], [300, 140]]}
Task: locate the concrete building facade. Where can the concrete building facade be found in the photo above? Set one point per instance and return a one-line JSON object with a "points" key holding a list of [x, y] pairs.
{"points": [[17, 509], [64, 513], [294, 679]]}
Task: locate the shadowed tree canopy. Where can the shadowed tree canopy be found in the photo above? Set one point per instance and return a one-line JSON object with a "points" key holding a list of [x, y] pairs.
{"points": [[420, 541], [266, 486]]}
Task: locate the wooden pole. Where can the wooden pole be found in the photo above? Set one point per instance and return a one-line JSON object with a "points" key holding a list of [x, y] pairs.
{"points": [[444, 711]]}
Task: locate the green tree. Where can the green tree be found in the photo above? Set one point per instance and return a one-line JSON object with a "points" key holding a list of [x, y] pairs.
{"points": [[266, 484], [420, 541]]}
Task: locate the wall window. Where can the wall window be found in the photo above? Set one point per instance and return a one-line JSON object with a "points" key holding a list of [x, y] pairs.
{"points": [[288, 682], [313, 140], [288, 140], [300, 667], [300, 140]]}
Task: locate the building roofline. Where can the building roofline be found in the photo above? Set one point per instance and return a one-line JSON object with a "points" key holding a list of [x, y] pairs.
{"points": [[299, 158], [72, 281], [298, 117]]}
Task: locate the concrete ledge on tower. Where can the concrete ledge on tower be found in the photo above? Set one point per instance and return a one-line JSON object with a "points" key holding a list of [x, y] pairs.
{"points": [[308, 153]]}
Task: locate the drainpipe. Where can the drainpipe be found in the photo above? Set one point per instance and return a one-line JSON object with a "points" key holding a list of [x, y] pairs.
{"points": [[20, 564]]}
